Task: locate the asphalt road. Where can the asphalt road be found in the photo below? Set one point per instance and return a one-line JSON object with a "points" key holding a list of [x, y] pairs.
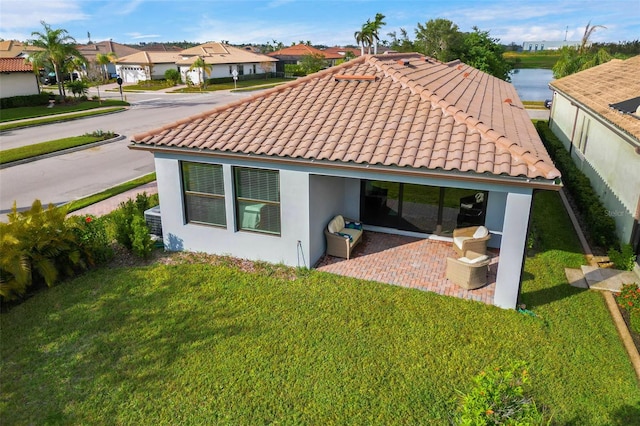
{"points": [[72, 176]]}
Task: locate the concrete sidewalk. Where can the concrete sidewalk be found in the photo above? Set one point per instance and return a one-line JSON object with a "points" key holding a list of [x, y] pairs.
{"points": [[110, 204]]}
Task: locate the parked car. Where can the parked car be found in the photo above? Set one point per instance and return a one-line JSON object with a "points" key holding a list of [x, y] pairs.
{"points": [[547, 103], [51, 78]]}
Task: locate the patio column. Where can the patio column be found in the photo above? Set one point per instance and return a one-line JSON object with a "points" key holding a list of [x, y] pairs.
{"points": [[514, 236]]}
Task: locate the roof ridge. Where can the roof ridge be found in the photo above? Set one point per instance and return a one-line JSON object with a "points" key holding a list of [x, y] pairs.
{"points": [[463, 117], [265, 93]]}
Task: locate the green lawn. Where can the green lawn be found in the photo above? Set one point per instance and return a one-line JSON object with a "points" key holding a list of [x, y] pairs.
{"points": [[21, 153], [110, 192], [239, 84], [545, 59], [206, 343], [10, 114]]}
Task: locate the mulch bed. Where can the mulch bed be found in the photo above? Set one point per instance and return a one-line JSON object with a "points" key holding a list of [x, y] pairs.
{"points": [[625, 315]]}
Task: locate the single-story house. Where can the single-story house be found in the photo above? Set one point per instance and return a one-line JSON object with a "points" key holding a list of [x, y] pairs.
{"points": [[146, 65], [91, 50], [295, 54], [389, 140], [17, 78], [224, 60], [596, 114]]}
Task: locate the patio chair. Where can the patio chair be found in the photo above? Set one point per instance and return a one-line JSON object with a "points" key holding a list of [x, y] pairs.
{"points": [[342, 236], [468, 273], [473, 238]]}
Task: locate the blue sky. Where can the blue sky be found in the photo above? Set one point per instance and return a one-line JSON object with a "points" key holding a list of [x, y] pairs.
{"points": [[321, 22]]}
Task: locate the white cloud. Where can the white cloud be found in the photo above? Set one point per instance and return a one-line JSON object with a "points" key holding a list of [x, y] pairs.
{"points": [[138, 36], [20, 17]]}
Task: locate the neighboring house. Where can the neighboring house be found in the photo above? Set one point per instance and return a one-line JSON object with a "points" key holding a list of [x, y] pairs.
{"points": [[596, 114], [337, 50], [223, 61], [384, 139], [295, 54], [144, 66], [17, 78], [91, 50], [535, 46], [16, 49]]}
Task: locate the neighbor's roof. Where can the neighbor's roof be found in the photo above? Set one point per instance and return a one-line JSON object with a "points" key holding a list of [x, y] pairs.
{"points": [[337, 50], [14, 65], [150, 57], [13, 48], [300, 50], [90, 51], [399, 110], [598, 87], [218, 53]]}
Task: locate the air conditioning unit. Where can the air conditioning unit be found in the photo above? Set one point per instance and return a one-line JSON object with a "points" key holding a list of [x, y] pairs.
{"points": [[154, 220]]}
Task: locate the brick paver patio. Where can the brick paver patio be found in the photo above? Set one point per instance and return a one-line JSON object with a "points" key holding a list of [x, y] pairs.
{"points": [[408, 262]]}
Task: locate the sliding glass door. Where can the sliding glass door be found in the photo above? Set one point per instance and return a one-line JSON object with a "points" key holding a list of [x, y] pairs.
{"points": [[420, 208]]}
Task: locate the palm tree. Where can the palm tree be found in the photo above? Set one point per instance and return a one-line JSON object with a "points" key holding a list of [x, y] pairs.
{"points": [[376, 25], [574, 59], [364, 37], [204, 68], [104, 59], [58, 46]]}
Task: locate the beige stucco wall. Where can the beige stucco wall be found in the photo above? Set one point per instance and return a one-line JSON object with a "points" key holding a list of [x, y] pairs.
{"points": [[608, 157], [18, 84]]}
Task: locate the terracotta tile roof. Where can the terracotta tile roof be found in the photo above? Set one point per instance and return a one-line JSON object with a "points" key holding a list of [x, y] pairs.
{"points": [[151, 57], [337, 50], [13, 48], [415, 113], [90, 51], [300, 50], [15, 65], [218, 53], [609, 83]]}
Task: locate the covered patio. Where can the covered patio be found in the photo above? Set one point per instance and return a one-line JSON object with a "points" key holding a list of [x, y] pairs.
{"points": [[408, 262]]}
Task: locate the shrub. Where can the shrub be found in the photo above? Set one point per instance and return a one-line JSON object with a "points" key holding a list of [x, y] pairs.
{"points": [[141, 242], [623, 259], [124, 216], [39, 246], [629, 299], [25, 101], [78, 87], [497, 398], [172, 76], [92, 239], [602, 227]]}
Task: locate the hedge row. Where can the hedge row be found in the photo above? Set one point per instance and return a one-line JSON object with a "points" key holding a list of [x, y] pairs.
{"points": [[601, 226], [25, 101]]}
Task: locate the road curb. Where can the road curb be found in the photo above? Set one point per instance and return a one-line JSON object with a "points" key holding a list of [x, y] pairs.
{"points": [[61, 152], [62, 120]]}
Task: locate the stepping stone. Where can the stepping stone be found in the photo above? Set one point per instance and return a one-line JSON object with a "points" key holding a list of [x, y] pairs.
{"points": [[575, 277], [608, 279]]}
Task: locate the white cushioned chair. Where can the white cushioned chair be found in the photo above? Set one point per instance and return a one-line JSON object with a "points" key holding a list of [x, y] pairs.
{"points": [[342, 236], [473, 238], [468, 272]]}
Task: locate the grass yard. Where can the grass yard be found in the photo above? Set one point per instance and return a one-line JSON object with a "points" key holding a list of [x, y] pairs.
{"points": [[206, 343], [21, 153], [254, 84], [544, 59], [10, 114]]}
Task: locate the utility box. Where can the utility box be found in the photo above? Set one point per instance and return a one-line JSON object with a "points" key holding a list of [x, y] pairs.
{"points": [[154, 220]]}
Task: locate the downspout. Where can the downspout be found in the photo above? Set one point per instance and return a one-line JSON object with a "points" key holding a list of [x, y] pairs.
{"points": [[573, 131]]}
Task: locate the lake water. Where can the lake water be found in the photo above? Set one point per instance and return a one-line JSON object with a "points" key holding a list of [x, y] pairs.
{"points": [[532, 84]]}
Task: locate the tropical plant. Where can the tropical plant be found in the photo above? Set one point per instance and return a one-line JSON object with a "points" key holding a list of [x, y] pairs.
{"points": [[78, 87], [141, 242], [103, 60], [201, 64], [42, 248], [573, 60], [92, 239], [57, 48], [124, 218], [369, 35], [485, 53]]}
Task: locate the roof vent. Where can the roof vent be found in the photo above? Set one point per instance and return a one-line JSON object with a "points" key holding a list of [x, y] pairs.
{"points": [[403, 62]]}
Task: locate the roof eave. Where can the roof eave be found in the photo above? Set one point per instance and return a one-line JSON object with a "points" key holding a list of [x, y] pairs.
{"points": [[518, 181]]}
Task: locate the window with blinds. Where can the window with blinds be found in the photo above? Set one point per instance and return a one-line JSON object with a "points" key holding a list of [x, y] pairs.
{"points": [[203, 186], [257, 200]]}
